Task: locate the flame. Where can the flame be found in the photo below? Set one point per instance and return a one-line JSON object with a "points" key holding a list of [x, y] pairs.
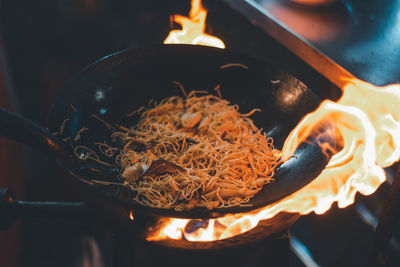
{"points": [[131, 217], [368, 121], [193, 29]]}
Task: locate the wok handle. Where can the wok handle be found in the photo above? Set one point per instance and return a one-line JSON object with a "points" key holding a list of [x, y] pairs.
{"points": [[17, 128], [12, 209]]}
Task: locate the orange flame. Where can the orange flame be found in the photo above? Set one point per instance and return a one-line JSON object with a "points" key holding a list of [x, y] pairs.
{"points": [[193, 28], [131, 217], [368, 120]]}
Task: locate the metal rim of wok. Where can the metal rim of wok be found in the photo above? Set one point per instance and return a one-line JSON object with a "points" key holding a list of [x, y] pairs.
{"points": [[117, 84]]}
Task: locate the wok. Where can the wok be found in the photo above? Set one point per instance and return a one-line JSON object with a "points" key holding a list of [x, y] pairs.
{"points": [[119, 83]]}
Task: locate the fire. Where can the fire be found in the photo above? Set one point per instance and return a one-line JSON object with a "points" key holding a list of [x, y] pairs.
{"points": [[366, 123], [368, 120], [131, 217], [193, 29]]}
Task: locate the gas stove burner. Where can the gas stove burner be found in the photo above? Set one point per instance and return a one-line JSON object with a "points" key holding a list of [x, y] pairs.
{"points": [[264, 230]]}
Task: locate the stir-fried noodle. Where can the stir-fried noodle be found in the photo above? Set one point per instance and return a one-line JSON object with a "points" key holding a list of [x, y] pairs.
{"points": [[197, 151]]}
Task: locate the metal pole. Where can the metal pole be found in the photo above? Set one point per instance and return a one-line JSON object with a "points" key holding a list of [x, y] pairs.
{"points": [[387, 223]]}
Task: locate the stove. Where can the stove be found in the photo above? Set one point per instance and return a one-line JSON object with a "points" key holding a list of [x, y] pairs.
{"points": [[47, 42]]}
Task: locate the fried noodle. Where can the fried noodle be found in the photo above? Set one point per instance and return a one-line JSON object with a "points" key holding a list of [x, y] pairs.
{"points": [[226, 159]]}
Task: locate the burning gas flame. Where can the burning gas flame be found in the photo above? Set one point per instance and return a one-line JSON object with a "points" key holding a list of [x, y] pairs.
{"points": [[131, 217], [366, 120], [193, 29]]}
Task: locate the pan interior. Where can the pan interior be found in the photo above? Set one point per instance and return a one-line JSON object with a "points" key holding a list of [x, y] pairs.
{"points": [[116, 85]]}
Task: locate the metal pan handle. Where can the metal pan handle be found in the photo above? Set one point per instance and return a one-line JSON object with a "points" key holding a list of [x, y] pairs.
{"points": [[17, 128]]}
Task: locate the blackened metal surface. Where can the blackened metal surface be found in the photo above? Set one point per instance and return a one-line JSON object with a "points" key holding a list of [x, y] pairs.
{"points": [[357, 37]]}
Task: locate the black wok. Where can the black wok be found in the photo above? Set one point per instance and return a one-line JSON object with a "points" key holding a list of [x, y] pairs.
{"points": [[122, 82]]}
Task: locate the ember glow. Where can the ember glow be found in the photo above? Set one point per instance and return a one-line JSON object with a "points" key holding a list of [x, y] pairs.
{"points": [[366, 125], [193, 29]]}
